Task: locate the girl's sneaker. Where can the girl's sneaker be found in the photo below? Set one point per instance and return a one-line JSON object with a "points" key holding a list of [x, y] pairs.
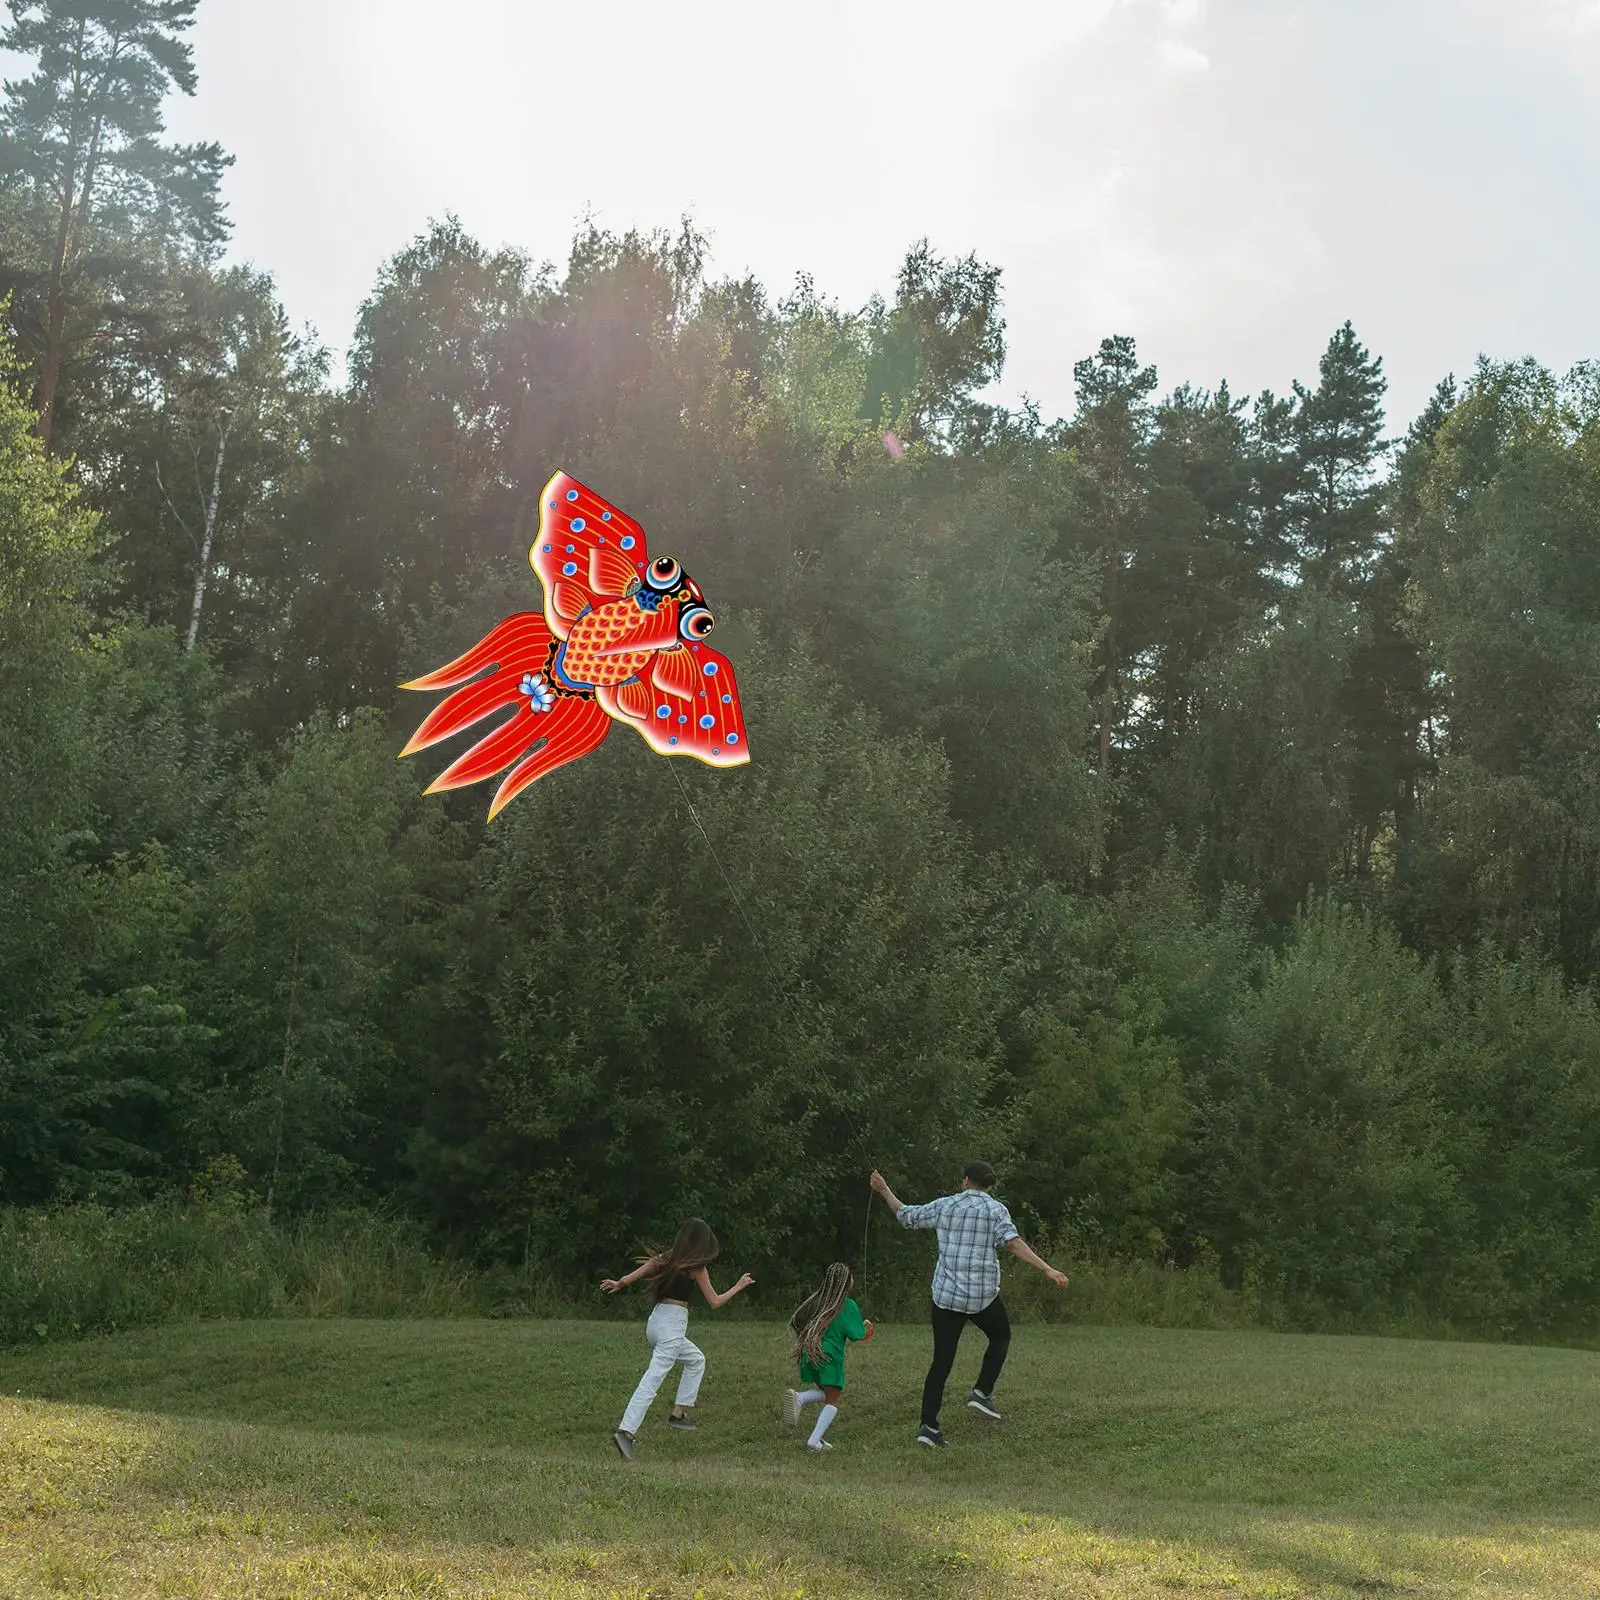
{"points": [[791, 1406], [682, 1424], [821, 1444], [932, 1437], [624, 1443]]}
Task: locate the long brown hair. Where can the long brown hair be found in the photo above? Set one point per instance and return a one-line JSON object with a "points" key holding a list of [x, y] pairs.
{"points": [[811, 1319], [695, 1246]]}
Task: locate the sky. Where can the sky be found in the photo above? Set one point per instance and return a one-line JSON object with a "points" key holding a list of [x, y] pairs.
{"points": [[1226, 180]]}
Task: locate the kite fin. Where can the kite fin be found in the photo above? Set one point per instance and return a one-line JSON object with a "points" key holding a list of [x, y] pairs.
{"points": [[518, 651], [581, 728]]}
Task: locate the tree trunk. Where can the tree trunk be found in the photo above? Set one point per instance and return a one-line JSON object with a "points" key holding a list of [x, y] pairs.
{"points": [[56, 312], [202, 577], [74, 206], [1102, 829]]}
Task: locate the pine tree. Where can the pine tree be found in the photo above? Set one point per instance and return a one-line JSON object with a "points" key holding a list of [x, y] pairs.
{"points": [[1390, 699], [1111, 433], [1338, 443], [940, 343], [98, 202]]}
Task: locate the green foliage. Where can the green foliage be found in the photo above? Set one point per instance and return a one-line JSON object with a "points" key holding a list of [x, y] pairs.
{"points": [[97, 209], [1327, 1159], [957, 614], [742, 1020], [89, 1270], [47, 579], [1506, 582], [1180, 805], [1523, 1076], [302, 919], [1258, 790], [1338, 443]]}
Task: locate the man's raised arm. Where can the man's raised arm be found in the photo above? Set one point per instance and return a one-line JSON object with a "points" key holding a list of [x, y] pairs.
{"points": [[882, 1188], [1023, 1253]]}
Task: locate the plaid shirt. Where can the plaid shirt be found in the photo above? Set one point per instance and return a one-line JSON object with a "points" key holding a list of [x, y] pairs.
{"points": [[972, 1226]]}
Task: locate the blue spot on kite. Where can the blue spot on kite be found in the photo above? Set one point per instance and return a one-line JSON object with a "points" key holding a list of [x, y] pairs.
{"points": [[708, 721], [733, 738], [577, 524], [569, 567], [552, 505], [682, 717], [673, 739], [571, 548], [663, 711], [727, 699], [572, 494], [605, 516], [547, 549], [628, 541], [711, 669], [599, 538]]}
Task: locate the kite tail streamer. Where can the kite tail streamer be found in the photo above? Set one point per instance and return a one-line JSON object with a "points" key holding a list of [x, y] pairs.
{"points": [[548, 727]]}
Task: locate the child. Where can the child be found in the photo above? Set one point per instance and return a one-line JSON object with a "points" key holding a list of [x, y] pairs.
{"points": [[822, 1327], [669, 1275]]}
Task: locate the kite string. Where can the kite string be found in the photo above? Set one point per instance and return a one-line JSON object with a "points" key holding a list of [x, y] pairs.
{"points": [[778, 988]]}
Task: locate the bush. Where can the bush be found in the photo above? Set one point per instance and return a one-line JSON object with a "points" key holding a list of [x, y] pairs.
{"points": [[85, 1270]]}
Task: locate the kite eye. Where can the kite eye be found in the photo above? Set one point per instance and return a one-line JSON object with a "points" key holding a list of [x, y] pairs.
{"points": [[664, 574], [696, 622]]}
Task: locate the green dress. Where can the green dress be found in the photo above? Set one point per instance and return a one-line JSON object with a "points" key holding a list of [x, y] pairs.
{"points": [[848, 1325]]}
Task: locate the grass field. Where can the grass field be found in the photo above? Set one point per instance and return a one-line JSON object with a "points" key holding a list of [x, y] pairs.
{"points": [[473, 1458]]}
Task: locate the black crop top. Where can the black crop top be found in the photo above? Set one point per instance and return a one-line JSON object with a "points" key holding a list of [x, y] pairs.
{"points": [[678, 1288]]}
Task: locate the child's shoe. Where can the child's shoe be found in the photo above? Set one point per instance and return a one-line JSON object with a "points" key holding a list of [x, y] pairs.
{"points": [[624, 1443], [791, 1406]]}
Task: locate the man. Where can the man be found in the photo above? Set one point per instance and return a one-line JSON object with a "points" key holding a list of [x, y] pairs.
{"points": [[972, 1225]]}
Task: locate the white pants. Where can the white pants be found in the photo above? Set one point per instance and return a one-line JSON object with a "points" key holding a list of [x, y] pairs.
{"points": [[668, 1334]]}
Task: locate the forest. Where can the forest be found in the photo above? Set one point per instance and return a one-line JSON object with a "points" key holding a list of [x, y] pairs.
{"points": [[1192, 806]]}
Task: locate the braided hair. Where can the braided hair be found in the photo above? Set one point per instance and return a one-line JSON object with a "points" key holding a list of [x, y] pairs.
{"points": [[811, 1320]]}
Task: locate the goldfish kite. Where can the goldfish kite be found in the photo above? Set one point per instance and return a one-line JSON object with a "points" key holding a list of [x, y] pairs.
{"points": [[621, 639]]}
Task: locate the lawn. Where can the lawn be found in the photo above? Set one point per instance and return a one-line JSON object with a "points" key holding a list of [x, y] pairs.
{"points": [[474, 1458]]}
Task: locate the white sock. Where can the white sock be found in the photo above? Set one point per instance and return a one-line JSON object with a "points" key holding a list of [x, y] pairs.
{"points": [[804, 1397], [824, 1417]]}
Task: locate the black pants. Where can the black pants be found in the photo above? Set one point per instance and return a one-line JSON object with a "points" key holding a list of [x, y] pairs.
{"points": [[947, 1326]]}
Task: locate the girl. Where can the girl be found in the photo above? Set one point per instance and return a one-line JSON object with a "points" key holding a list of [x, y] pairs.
{"points": [[822, 1327], [669, 1275]]}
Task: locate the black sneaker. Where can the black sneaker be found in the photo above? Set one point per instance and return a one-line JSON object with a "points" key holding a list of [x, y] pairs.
{"points": [[981, 1403], [624, 1443], [683, 1424], [932, 1438]]}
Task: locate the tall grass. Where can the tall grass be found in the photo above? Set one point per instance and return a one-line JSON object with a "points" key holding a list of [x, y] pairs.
{"points": [[76, 1271], [84, 1270]]}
